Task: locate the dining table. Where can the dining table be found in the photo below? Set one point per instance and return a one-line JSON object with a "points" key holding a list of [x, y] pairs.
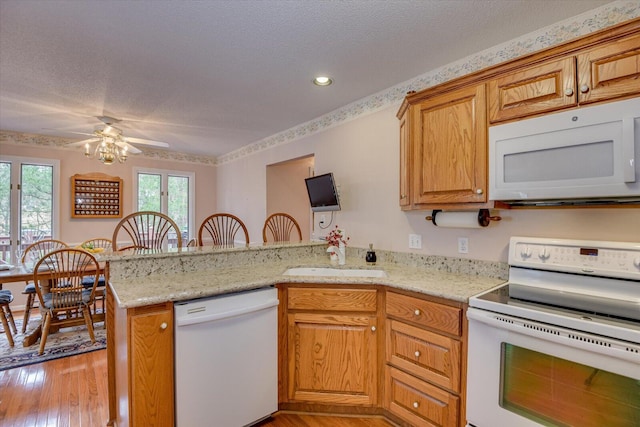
{"points": [[24, 273]]}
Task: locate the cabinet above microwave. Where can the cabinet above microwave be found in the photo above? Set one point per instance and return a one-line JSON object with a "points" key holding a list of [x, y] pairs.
{"points": [[584, 156]]}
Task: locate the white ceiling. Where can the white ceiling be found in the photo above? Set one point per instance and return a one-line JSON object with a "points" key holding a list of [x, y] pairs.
{"points": [[209, 77]]}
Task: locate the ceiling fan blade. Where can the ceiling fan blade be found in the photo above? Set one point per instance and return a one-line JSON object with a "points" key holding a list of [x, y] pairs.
{"points": [[84, 141], [130, 148], [147, 142], [68, 131]]}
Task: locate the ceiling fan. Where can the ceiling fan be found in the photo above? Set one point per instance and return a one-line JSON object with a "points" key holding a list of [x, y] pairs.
{"points": [[111, 144]]}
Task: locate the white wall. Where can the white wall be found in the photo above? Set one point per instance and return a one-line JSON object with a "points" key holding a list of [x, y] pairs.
{"points": [[364, 157]]}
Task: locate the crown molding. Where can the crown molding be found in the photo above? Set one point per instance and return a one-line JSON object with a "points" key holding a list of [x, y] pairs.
{"points": [[60, 143], [594, 20]]}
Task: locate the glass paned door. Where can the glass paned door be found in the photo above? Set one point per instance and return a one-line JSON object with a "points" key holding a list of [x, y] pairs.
{"points": [[178, 203], [28, 207], [149, 192], [36, 203], [170, 193], [6, 237]]}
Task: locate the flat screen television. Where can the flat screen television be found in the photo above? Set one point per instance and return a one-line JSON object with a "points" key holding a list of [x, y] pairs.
{"points": [[323, 195]]}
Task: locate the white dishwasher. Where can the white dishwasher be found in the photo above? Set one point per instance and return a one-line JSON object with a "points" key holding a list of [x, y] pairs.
{"points": [[226, 357]]}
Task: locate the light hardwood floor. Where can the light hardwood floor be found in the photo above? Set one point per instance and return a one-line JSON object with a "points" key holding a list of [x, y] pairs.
{"points": [[72, 391]]}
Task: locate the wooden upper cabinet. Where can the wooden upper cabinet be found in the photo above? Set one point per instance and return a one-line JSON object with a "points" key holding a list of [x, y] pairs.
{"points": [[405, 162], [449, 134], [537, 89], [443, 129], [610, 71], [606, 72]]}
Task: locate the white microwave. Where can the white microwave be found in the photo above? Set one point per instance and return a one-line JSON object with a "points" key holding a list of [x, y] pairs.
{"points": [[589, 155]]}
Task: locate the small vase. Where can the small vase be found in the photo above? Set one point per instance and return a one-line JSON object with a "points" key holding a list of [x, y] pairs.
{"points": [[342, 254], [333, 258]]}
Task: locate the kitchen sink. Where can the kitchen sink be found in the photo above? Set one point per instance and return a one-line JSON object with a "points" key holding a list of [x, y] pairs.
{"points": [[334, 272]]}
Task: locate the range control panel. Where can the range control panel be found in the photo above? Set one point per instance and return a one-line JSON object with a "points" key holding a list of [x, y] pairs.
{"points": [[601, 258]]}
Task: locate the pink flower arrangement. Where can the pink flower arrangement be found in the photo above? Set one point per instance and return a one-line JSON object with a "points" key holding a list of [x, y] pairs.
{"points": [[336, 236]]}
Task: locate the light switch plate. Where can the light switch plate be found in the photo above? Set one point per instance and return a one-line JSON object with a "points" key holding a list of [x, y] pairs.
{"points": [[463, 245], [415, 241]]}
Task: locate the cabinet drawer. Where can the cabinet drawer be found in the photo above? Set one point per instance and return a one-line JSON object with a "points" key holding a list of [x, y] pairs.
{"points": [[425, 354], [426, 313], [417, 402], [332, 299]]}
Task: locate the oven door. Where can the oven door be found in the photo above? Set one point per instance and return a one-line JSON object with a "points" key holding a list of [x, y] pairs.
{"points": [[523, 373]]}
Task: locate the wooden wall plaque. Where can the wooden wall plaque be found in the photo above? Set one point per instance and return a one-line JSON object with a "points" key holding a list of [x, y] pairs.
{"points": [[96, 195]]}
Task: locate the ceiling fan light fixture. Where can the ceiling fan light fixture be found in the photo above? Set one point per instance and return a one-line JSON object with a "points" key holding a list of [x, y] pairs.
{"points": [[107, 151], [322, 81]]}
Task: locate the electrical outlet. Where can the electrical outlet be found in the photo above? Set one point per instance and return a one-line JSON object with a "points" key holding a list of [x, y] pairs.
{"points": [[415, 241], [463, 245]]}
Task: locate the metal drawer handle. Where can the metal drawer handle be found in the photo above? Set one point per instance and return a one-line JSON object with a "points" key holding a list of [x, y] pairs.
{"points": [[417, 353], [417, 312], [416, 405], [163, 325], [373, 329]]}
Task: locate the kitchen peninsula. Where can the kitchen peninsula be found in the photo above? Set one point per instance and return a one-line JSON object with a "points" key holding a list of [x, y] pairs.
{"points": [[144, 286]]}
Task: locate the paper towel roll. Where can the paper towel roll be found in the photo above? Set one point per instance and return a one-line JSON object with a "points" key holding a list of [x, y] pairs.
{"points": [[462, 219], [457, 219]]}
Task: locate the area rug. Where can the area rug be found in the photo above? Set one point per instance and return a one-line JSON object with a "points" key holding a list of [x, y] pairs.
{"points": [[66, 342]]}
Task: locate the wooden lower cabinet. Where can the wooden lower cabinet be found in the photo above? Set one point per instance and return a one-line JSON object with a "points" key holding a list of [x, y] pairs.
{"points": [[331, 347], [424, 354], [140, 359], [418, 402], [425, 367], [332, 358], [353, 349]]}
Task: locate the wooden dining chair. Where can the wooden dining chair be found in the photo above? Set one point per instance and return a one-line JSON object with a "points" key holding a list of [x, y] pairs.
{"points": [[6, 316], [278, 227], [145, 230], [221, 229], [31, 255], [97, 245], [64, 300]]}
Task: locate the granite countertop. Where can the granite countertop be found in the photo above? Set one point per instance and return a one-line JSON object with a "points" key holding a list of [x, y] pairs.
{"points": [[181, 286]]}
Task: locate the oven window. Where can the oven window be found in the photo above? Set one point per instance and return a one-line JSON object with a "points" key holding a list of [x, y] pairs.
{"points": [[558, 392]]}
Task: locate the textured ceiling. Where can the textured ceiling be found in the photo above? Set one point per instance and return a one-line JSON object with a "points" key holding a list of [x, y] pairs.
{"points": [[209, 77]]}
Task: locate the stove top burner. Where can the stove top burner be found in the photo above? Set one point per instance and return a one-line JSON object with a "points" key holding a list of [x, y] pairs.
{"points": [[502, 295], [499, 301], [584, 285]]}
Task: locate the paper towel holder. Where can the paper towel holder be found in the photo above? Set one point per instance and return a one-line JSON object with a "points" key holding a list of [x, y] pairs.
{"points": [[484, 217]]}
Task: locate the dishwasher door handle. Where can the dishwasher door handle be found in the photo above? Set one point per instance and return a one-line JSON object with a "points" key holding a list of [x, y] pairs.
{"points": [[220, 315]]}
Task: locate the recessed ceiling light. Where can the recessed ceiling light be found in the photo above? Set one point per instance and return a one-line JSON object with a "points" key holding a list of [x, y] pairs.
{"points": [[322, 81]]}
